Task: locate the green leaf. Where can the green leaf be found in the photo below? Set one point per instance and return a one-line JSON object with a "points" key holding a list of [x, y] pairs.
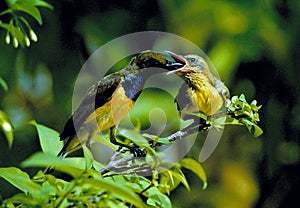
{"points": [[11, 2], [7, 128], [3, 84], [134, 136], [88, 157], [196, 168], [48, 189], [167, 182], [42, 3], [67, 165], [257, 131], [157, 199], [156, 139], [28, 7], [20, 198], [49, 139], [242, 98], [119, 190], [185, 123], [21, 180], [178, 174]]}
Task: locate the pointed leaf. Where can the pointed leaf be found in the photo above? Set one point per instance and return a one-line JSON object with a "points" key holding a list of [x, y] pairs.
{"points": [[29, 8], [49, 139], [7, 128], [88, 157], [157, 199], [195, 167], [42, 3], [118, 190], [3, 84], [20, 180], [178, 174], [257, 130], [45, 160], [134, 136]]}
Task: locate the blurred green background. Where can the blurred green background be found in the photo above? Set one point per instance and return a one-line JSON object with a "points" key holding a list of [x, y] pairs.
{"points": [[254, 45]]}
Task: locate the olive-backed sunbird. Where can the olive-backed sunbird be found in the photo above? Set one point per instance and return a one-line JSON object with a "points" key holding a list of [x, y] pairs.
{"points": [[109, 100], [201, 90]]}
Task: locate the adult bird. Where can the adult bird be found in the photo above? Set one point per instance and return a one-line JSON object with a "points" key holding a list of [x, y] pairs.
{"points": [[201, 90], [109, 100]]}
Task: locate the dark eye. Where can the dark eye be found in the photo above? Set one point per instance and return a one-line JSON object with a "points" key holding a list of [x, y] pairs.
{"points": [[193, 60]]}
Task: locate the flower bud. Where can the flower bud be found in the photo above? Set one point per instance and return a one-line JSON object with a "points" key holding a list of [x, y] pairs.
{"points": [[15, 42], [33, 36], [7, 39], [27, 41]]}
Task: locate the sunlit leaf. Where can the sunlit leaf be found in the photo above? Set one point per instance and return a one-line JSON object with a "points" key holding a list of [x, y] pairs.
{"points": [[21, 180], [118, 190], [196, 168], [42, 3], [3, 84], [257, 131], [157, 199], [7, 128], [20, 198], [28, 7], [45, 160], [88, 157], [11, 2], [186, 123], [134, 136], [178, 174], [157, 139], [49, 139]]}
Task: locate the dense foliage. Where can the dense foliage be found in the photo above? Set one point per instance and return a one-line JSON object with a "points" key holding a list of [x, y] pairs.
{"points": [[254, 46]]}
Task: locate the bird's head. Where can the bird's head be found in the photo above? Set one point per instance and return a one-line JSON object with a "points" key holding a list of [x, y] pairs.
{"points": [[193, 64], [164, 60]]}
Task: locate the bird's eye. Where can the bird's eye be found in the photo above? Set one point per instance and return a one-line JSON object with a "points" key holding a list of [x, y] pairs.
{"points": [[193, 60]]}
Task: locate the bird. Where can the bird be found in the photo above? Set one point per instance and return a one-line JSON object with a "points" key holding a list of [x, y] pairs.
{"points": [[201, 91], [109, 100]]}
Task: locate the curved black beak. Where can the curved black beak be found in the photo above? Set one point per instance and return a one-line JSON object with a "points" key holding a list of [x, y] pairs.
{"points": [[174, 61], [181, 62]]}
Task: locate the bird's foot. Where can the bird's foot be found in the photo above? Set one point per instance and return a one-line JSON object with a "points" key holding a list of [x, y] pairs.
{"points": [[140, 153]]}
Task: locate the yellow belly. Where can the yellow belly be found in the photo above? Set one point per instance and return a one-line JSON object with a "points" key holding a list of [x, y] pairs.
{"points": [[205, 99], [103, 118], [112, 112]]}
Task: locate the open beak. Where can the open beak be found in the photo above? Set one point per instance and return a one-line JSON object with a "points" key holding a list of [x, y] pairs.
{"points": [[179, 61], [174, 61]]}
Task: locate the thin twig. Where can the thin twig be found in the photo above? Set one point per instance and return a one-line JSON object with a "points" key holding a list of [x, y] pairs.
{"points": [[121, 165], [115, 163]]}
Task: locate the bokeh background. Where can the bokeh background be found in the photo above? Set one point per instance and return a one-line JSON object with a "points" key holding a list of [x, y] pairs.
{"points": [[254, 45]]}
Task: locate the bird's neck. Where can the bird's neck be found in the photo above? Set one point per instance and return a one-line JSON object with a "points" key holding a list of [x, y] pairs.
{"points": [[196, 81], [135, 81]]}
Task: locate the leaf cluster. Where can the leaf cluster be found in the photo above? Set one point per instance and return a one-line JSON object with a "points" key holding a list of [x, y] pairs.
{"points": [[18, 29], [240, 112], [89, 187]]}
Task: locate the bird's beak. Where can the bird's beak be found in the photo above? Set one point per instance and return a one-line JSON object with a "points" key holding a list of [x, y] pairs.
{"points": [[179, 60], [174, 61], [185, 68]]}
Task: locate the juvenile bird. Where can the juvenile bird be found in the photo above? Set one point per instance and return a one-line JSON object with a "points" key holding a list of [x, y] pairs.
{"points": [[108, 101], [202, 91]]}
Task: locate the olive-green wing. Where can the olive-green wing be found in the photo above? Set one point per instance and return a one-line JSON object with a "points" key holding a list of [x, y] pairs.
{"points": [[97, 95]]}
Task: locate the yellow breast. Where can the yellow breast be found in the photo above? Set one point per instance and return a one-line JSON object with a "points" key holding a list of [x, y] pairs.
{"points": [[204, 97], [113, 111]]}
